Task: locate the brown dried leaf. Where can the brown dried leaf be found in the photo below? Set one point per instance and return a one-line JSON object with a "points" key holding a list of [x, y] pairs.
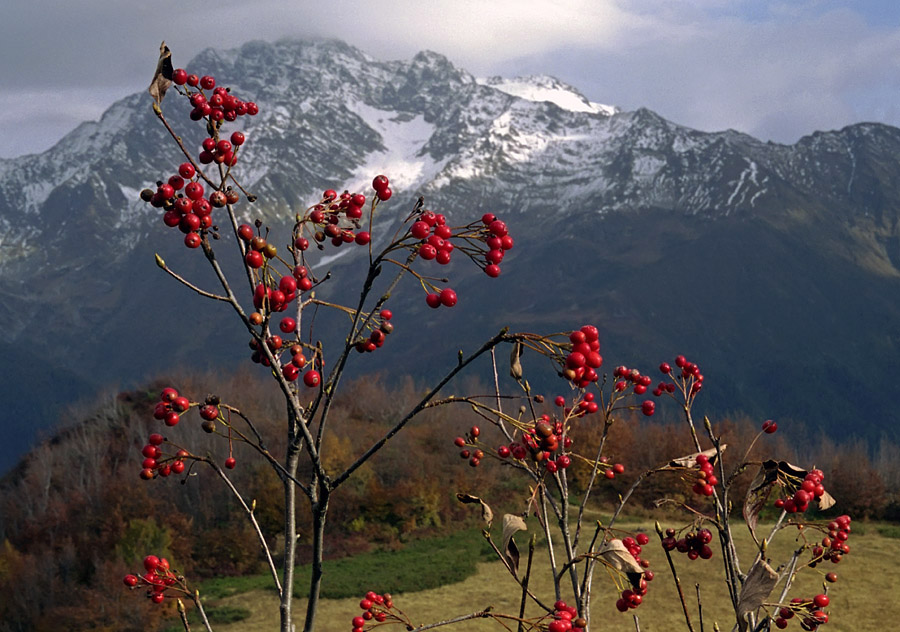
{"points": [[486, 514], [691, 459], [615, 554], [162, 78], [758, 494], [511, 525], [826, 501], [757, 587]]}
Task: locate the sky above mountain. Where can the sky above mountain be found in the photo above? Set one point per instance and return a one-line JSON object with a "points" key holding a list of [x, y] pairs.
{"points": [[773, 69]]}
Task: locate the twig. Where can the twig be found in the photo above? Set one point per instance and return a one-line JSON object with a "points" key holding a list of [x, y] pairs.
{"points": [[699, 606], [481, 614], [687, 616], [256, 527], [525, 583], [195, 597], [162, 266], [183, 615]]}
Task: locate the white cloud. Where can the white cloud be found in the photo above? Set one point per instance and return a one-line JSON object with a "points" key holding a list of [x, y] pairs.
{"points": [[775, 69]]}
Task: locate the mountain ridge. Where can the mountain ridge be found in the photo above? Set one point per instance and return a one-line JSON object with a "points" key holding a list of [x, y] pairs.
{"points": [[630, 193]]}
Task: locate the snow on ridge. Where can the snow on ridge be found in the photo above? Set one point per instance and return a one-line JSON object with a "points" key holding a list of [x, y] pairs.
{"points": [[543, 88], [403, 137]]}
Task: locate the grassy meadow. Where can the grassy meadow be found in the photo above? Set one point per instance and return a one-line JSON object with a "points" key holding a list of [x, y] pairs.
{"points": [[442, 578]]}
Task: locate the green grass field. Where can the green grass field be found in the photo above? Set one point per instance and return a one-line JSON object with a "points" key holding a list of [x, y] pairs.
{"points": [[442, 578]]}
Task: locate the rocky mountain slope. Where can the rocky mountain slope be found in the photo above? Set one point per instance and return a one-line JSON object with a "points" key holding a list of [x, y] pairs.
{"points": [[776, 267]]}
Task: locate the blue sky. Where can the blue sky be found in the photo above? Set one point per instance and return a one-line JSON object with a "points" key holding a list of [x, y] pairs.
{"points": [[776, 70]]}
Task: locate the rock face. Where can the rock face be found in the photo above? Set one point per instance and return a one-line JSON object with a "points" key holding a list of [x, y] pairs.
{"points": [[776, 267]]}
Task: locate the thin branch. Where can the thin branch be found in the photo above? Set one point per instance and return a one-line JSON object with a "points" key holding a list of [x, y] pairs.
{"points": [[503, 336], [525, 582], [256, 527], [162, 266], [195, 597], [687, 616], [481, 614]]}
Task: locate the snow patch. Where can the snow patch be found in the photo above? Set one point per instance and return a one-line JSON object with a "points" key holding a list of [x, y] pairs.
{"points": [[402, 160], [547, 89]]}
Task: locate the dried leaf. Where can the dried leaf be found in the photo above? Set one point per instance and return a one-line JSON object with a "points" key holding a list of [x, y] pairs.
{"points": [[691, 459], [758, 495], [486, 514], [826, 501], [757, 587], [162, 78], [511, 525], [616, 555]]}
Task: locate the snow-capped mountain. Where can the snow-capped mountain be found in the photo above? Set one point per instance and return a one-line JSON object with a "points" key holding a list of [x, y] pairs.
{"points": [[667, 236]]}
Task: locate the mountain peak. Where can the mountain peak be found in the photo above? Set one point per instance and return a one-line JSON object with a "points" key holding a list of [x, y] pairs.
{"points": [[550, 89]]}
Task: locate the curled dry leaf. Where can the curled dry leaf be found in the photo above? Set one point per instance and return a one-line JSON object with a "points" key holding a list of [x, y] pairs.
{"points": [[162, 78], [826, 501], [757, 496], [691, 459], [486, 514], [756, 589], [616, 555], [511, 525]]}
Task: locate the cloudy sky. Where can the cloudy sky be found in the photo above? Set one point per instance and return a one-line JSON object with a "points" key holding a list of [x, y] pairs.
{"points": [[774, 69]]}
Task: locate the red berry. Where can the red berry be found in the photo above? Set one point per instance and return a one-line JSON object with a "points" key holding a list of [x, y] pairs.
{"points": [[237, 138], [433, 300], [151, 562], [312, 378], [648, 407], [448, 297], [380, 183], [385, 194], [207, 82], [769, 426], [230, 462], [288, 325]]}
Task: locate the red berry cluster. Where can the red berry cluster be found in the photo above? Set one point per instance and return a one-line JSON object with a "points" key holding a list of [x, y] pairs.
{"points": [[565, 619], [336, 217], [221, 105], [706, 479], [581, 363], [809, 611], [378, 334], [182, 197], [258, 252], [834, 544], [290, 369], [690, 375], [375, 607], [694, 544], [810, 489], [169, 407], [633, 597], [639, 384], [498, 241], [471, 439], [586, 406], [185, 203], [157, 578], [153, 464]]}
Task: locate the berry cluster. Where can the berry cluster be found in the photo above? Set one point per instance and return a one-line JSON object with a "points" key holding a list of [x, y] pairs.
{"points": [[565, 619], [834, 545], [183, 197], [186, 205], [694, 544], [586, 406], [581, 363], [170, 407], [434, 243], [809, 611], [336, 217], [221, 105], [378, 334], [377, 608], [706, 479], [157, 578], [810, 489], [471, 439], [639, 383], [690, 375], [153, 464], [633, 597]]}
